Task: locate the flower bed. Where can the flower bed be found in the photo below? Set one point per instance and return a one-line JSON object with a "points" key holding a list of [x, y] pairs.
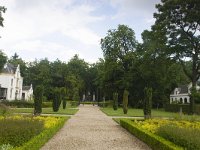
{"points": [[165, 134], [154, 141], [22, 132]]}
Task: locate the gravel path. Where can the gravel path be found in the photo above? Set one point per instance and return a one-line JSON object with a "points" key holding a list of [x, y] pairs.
{"points": [[90, 129]]}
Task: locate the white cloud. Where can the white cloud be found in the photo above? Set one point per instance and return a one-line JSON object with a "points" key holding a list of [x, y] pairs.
{"points": [[143, 9], [29, 23]]}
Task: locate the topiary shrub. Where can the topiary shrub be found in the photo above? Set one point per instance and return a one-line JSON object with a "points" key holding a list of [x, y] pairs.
{"points": [[115, 101], [125, 101], [147, 102], [57, 99], [63, 97], [38, 93]]}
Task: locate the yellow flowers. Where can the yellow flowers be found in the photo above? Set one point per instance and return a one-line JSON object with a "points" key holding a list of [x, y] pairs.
{"points": [[152, 125], [49, 121]]}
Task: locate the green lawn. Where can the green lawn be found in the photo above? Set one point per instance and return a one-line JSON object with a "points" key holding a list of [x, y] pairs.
{"points": [[67, 111], [137, 113]]}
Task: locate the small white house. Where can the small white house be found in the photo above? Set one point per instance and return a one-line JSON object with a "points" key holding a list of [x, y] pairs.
{"points": [[27, 92], [11, 83], [181, 94]]}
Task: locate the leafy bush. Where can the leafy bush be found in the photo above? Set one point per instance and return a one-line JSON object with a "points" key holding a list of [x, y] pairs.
{"points": [[185, 108], [115, 101], [57, 99], [18, 103], [64, 102], [38, 93], [18, 131], [125, 101], [147, 102], [154, 141], [188, 138]]}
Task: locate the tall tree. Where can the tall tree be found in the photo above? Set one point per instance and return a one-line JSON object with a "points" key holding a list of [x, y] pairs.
{"points": [[179, 21], [16, 60], [117, 46]]}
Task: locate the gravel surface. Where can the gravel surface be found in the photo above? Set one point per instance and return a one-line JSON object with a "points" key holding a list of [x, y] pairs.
{"points": [[90, 129]]}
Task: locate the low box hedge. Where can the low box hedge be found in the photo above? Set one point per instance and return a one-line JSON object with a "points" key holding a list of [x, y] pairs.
{"points": [[18, 103], [154, 141], [185, 108], [38, 141]]}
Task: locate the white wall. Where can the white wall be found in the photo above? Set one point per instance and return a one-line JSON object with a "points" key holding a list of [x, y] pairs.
{"points": [[28, 94], [13, 83]]}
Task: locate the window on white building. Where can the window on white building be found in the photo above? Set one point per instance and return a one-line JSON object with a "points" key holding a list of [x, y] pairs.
{"points": [[185, 100], [10, 93], [181, 100]]}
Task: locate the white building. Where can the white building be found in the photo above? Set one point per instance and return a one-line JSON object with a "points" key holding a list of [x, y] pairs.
{"points": [[181, 94], [11, 83], [27, 93]]}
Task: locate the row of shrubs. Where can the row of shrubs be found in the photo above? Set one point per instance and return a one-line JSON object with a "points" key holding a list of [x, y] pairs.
{"points": [[185, 108], [108, 103], [24, 104], [27, 104], [153, 140]]}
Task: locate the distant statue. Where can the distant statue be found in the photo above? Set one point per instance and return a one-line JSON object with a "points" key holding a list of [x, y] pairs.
{"points": [[93, 99], [83, 98]]}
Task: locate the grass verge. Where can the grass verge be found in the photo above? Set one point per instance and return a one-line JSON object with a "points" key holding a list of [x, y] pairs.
{"points": [[139, 113]]}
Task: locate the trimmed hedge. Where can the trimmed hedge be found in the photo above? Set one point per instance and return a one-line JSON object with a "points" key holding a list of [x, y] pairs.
{"points": [[101, 104], [154, 141], [18, 103], [38, 141], [185, 108], [24, 104]]}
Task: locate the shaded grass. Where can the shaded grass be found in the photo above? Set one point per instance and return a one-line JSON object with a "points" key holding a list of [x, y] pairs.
{"points": [[67, 111], [137, 112]]}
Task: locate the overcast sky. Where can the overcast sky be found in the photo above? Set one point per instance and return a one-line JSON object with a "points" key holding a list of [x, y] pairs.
{"points": [[62, 28]]}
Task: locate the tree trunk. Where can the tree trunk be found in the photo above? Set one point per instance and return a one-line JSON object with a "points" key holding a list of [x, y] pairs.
{"points": [[194, 81]]}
